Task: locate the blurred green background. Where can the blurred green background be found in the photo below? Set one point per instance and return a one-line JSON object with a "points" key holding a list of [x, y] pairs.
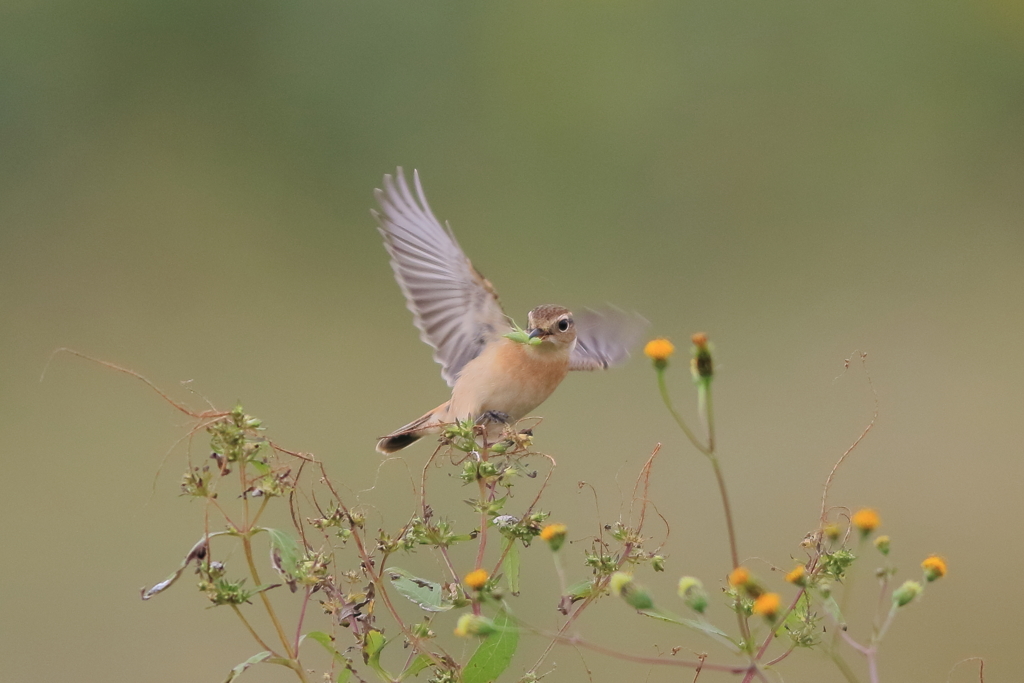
{"points": [[185, 187]]}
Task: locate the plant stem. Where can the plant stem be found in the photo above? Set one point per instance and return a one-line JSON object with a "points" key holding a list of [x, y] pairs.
{"points": [[483, 524], [728, 511], [483, 527], [302, 617], [781, 657], [448, 562], [706, 410], [708, 416], [259, 511], [559, 570], [843, 667], [367, 563], [885, 625], [247, 546], [873, 665], [252, 631], [663, 388]]}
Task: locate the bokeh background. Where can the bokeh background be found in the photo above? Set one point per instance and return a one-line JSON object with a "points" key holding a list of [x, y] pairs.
{"points": [[185, 187]]}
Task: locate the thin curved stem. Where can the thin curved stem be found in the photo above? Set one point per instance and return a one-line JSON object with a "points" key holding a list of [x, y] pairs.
{"points": [[728, 511], [706, 410], [247, 546], [252, 631], [663, 388], [843, 667], [707, 414]]}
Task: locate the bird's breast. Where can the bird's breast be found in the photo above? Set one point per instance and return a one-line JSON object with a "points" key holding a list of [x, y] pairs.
{"points": [[509, 377]]}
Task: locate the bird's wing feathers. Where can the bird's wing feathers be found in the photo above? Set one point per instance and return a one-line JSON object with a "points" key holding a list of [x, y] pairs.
{"points": [[604, 338], [453, 305]]}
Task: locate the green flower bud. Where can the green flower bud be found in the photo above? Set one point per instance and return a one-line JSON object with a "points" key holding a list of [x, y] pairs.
{"points": [[473, 625], [906, 593], [691, 590], [622, 584]]}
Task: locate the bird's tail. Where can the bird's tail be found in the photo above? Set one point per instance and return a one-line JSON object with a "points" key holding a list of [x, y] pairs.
{"points": [[412, 432]]}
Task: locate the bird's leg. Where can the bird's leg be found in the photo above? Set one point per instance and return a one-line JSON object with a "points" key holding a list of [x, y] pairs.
{"points": [[491, 417], [495, 416]]}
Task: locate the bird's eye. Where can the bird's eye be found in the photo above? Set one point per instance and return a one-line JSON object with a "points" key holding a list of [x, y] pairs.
{"points": [[563, 324]]}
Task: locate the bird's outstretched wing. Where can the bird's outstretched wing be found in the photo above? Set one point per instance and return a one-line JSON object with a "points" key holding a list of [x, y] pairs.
{"points": [[453, 305], [604, 338]]}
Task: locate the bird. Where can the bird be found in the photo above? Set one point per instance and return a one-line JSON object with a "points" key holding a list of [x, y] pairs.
{"points": [[495, 374]]}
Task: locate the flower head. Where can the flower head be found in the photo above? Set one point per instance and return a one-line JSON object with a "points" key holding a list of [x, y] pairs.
{"points": [[882, 543], [554, 534], [832, 531], [622, 584], [739, 577], [767, 605], [659, 350], [798, 576], [934, 567], [619, 581], [476, 579], [474, 625], [700, 362], [905, 593], [866, 519], [691, 590]]}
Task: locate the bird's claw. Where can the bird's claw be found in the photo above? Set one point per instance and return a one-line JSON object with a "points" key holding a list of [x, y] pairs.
{"points": [[495, 417]]}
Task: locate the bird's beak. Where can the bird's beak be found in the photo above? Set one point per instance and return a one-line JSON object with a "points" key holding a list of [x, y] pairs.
{"points": [[536, 332]]}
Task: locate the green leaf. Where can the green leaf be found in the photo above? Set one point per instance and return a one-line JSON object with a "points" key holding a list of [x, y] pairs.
{"points": [[511, 566], [832, 607], [261, 467], [419, 664], [287, 549], [494, 654], [703, 626], [797, 618], [521, 336], [328, 643], [372, 647], [427, 594], [255, 659], [580, 590]]}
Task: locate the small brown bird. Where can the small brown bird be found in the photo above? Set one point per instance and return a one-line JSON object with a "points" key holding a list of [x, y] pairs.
{"points": [[492, 376]]}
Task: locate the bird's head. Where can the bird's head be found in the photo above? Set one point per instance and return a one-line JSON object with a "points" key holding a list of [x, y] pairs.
{"points": [[552, 324]]}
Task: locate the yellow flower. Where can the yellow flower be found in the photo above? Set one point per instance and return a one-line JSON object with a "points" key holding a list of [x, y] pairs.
{"points": [[934, 567], [797, 576], [866, 519], [659, 350], [767, 605], [554, 534], [739, 577], [477, 578], [832, 531]]}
